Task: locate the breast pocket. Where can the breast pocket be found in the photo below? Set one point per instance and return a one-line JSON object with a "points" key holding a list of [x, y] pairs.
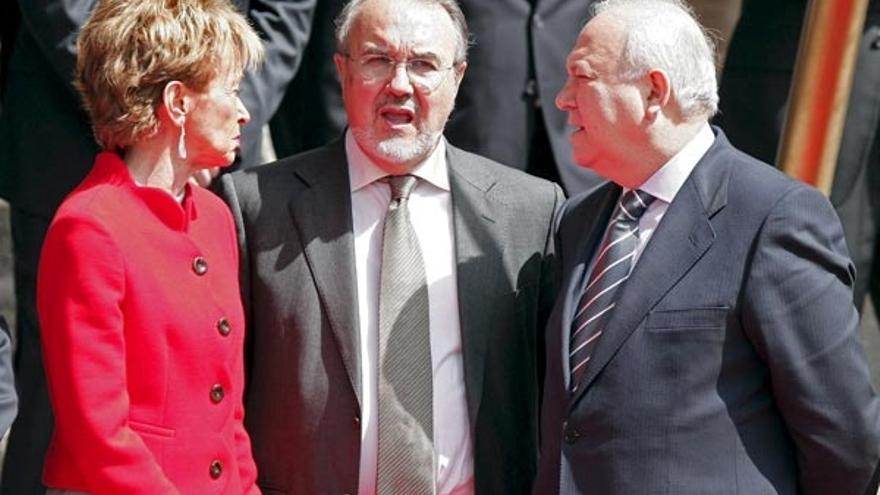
{"points": [[687, 320]]}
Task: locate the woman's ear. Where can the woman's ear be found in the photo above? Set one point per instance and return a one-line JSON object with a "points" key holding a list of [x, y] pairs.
{"points": [[175, 100]]}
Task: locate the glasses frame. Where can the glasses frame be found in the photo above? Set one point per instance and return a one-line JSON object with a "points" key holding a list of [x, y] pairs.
{"points": [[392, 71]]}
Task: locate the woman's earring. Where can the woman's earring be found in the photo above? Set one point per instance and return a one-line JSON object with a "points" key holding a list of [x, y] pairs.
{"points": [[181, 143]]}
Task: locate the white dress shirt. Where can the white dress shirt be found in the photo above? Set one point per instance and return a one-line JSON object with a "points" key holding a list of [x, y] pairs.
{"points": [[430, 209]]}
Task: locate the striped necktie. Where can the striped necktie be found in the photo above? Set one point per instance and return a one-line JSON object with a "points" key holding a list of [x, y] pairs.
{"points": [[611, 269]]}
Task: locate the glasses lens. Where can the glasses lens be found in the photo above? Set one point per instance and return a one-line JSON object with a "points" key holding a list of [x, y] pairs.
{"points": [[376, 67], [423, 74]]}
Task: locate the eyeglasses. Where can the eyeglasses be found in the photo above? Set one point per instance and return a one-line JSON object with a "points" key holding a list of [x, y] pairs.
{"points": [[423, 73]]}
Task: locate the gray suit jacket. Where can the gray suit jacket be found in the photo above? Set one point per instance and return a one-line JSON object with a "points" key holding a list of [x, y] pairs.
{"points": [[298, 282], [731, 363]]}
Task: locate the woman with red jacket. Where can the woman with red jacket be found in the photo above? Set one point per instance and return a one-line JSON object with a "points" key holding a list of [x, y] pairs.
{"points": [[138, 297]]}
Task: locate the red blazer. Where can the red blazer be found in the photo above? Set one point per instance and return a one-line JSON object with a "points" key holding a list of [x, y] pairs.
{"points": [[142, 331]]}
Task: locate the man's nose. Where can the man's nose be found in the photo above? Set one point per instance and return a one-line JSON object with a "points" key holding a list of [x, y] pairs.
{"points": [[400, 83], [564, 99]]}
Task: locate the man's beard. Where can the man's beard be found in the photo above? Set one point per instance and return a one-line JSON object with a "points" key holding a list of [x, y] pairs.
{"points": [[398, 149]]}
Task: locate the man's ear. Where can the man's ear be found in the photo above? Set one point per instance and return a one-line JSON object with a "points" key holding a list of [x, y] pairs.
{"points": [[175, 101], [341, 69], [460, 69], [659, 91]]}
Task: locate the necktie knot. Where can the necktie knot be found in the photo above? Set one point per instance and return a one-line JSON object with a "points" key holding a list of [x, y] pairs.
{"points": [[633, 204], [401, 186]]}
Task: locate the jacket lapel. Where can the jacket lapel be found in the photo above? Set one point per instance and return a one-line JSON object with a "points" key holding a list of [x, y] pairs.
{"points": [[479, 267], [602, 202], [685, 233], [321, 214]]}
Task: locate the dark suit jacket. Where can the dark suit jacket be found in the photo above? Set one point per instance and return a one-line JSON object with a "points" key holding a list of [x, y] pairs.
{"points": [[298, 279], [517, 61], [284, 26], [754, 94], [731, 362], [311, 113]]}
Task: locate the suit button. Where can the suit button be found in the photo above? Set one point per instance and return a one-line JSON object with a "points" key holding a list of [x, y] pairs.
{"points": [[217, 393], [223, 326], [571, 435], [537, 21], [200, 266], [216, 469], [357, 420]]}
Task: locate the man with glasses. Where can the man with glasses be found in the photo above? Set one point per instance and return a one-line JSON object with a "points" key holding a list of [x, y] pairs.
{"points": [[395, 286]]}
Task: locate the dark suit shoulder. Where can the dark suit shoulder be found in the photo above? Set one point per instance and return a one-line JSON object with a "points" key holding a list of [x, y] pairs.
{"points": [[503, 183], [278, 180], [754, 185], [581, 210]]}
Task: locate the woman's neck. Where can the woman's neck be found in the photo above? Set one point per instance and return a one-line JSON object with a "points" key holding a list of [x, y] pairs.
{"points": [[157, 166]]}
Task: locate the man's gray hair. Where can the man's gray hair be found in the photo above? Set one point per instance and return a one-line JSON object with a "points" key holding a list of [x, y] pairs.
{"points": [[346, 18], [665, 34]]}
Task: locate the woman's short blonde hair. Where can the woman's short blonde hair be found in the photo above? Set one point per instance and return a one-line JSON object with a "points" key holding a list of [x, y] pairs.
{"points": [[130, 49]]}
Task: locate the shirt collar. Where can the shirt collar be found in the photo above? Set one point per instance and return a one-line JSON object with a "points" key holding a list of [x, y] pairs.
{"points": [[666, 181], [363, 171]]}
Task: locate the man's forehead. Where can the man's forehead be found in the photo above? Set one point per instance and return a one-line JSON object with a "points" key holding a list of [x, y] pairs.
{"points": [[403, 25], [601, 36]]}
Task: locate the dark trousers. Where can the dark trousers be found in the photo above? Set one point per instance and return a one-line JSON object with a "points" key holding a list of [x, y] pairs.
{"points": [[32, 429]]}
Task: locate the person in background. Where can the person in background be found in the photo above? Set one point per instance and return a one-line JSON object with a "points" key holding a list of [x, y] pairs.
{"points": [[47, 148], [505, 107], [311, 113], [141, 322], [396, 287], [754, 92], [705, 339]]}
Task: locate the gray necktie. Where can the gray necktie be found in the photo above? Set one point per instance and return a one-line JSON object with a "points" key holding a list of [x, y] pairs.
{"points": [[611, 269], [406, 426]]}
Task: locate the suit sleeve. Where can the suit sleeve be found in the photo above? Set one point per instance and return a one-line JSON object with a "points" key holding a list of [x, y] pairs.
{"points": [[54, 25], [798, 312], [284, 26], [228, 194], [79, 298], [550, 271], [247, 467]]}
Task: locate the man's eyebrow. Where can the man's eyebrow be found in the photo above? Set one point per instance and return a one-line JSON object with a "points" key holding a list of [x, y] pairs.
{"points": [[371, 49], [426, 54]]}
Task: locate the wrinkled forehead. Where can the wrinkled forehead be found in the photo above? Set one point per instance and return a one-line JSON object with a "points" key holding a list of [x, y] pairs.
{"points": [[601, 41], [404, 28]]}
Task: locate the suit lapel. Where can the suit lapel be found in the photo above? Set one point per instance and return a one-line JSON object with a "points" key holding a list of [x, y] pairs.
{"points": [[683, 236], [602, 202], [478, 264], [321, 214], [586, 228]]}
